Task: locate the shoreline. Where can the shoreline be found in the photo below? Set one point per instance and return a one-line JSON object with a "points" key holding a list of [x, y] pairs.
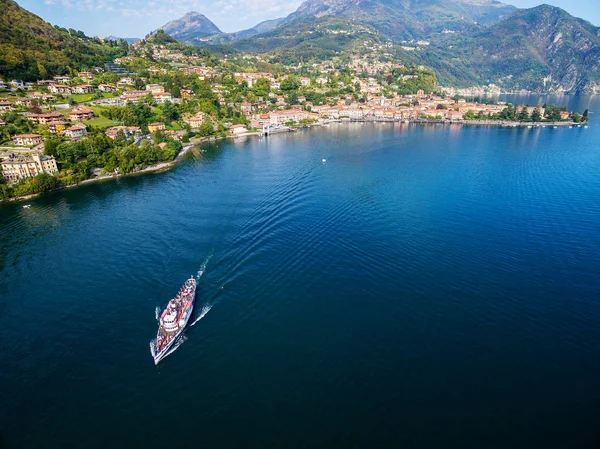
{"points": [[165, 166]]}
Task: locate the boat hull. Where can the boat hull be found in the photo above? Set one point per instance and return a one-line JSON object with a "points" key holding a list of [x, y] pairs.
{"points": [[158, 356]]}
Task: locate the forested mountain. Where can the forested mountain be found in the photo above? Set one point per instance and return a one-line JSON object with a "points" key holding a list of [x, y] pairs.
{"points": [[542, 48], [310, 37], [539, 49], [408, 19], [31, 49]]}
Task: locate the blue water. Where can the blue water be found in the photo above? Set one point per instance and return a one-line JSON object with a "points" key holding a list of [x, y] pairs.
{"points": [[426, 286]]}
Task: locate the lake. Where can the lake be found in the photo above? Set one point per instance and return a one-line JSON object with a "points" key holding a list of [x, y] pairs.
{"points": [[426, 286]]}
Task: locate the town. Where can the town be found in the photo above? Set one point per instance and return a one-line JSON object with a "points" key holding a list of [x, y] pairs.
{"points": [[146, 107]]}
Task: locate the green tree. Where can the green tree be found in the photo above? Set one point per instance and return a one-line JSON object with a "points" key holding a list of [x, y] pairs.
{"points": [[44, 182], [523, 115], [536, 115], [290, 83], [585, 117], [469, 115], [205, 130]]}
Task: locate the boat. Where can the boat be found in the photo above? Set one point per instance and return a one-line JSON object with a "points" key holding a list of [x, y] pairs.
{"points": [[27, 206], [173, 320]]}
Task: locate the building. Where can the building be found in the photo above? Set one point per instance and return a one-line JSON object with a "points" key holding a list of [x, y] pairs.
{"points": [[107, 88], [27, 139], [79, 114], [128, 131], [62, 79], [161, 97], [126, 81], [16, 168], [155, 88], [57, 126], [86, 76], [134, 95], [157, 126], [44, 119], [59, 89], [5, 105], [238, 129], [83, 89], [196, 120], [76, 131], [292, 115]]}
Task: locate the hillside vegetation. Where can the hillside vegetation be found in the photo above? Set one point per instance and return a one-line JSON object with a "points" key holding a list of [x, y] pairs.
{"points": [[31, 49]]}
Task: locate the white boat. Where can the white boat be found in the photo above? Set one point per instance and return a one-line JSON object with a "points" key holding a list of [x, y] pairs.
{"points": [[27, 206], [173, 320]]}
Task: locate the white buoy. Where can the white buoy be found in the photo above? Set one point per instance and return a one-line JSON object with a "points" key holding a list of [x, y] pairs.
{"points": [[324, 160]]}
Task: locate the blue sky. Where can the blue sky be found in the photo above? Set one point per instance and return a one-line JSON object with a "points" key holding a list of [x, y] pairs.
{"points": [[136, 18]]}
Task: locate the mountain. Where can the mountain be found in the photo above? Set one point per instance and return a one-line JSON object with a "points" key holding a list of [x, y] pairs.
{"points": [[408, 19], [542, 48], [190, 27], [31, 49], [309, 37], [224, 38]]}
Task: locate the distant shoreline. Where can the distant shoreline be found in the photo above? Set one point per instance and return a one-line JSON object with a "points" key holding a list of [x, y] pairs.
{"points": [[165, 166]]}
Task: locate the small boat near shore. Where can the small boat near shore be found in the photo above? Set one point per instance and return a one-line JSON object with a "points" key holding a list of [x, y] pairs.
{"points": [[173, 320], [27, 206]]}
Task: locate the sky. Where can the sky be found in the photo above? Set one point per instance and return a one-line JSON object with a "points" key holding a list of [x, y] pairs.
{"points": [[137, 18]]}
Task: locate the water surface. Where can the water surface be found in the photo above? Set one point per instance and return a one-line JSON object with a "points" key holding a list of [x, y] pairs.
{"points": [[426, 286]]}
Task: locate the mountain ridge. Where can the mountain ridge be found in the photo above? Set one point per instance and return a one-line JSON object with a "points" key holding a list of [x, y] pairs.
{"points": [[191, 26]]}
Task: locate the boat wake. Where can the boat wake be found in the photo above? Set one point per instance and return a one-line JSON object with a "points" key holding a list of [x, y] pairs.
{"points": [[205, 309], [203, 266]]}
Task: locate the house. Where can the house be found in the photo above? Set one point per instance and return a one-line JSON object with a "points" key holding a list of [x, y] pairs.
{"points": [[57, 126], [187, 93], [238, 129], [76, 131], [19, 84], [196, 120], [62, 79], [44, 119], [246, 108], [16, 168], [155, 88], [281, 117], [59, 89], [83, 89], [304, 81], [455, 115], [127, 131], [2, 122], [5, 105], [27, 102], [126, 81], [86, 76], [133, 96], [107, 88], [79, 114], [27, 139], [157, 126], [161, 97]]}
